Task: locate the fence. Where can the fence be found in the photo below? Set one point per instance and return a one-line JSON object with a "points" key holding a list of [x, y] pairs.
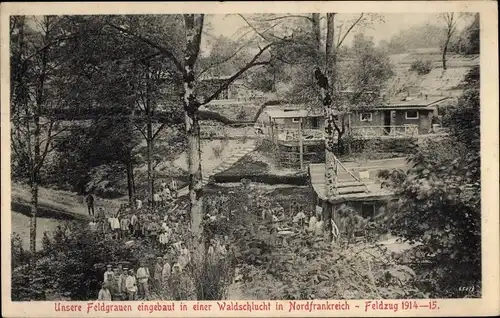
{"points": [[365, 132], [231, 131], [292, 134], [403, 131]]}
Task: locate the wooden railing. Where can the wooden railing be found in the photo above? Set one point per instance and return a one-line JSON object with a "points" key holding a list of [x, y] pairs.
{"points": [[389, 131], [292, 134], [231, 131], [255, 130], [242, 100]]}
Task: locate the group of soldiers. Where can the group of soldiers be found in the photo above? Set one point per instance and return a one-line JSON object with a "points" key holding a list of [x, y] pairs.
{"points": [[166, 194]]}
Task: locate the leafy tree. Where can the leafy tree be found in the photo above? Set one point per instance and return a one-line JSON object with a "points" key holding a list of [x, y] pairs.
{"points": [[415, 37], [40, 84], [67, 264], [19, 255], [184, 53], [127, 87], [472, 35], [439, 203], [366, 77], [468, 40]]}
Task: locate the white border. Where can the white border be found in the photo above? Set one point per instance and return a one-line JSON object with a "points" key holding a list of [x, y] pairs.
{"points": [[487, 305]]}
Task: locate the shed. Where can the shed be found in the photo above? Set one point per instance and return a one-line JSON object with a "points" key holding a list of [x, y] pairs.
{"points": [[349, 189], [358, 186]]}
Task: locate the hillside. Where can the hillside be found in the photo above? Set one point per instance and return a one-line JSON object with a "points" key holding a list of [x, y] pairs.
{"points": [[436, 82]]}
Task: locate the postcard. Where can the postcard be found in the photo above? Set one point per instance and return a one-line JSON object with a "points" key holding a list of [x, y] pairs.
{"points": [[250, 159]]}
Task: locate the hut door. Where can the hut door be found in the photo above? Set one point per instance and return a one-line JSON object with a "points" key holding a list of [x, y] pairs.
{"points": [[387, 122], [315, 123], [393, 121]]}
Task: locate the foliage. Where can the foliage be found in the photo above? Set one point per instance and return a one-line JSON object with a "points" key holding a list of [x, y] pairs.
{"points": [[368, 73], [40, 84], [415, 37], [66, 264], [399, 146], [308, 267], [18, 255], [421, 67], [439, 203], [211, 276], [76, 153], [472, 36]]}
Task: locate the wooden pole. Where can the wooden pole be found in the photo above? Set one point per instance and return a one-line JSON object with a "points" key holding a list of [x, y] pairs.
{"points": [[271, 121], [349, 131], [301, 145]]}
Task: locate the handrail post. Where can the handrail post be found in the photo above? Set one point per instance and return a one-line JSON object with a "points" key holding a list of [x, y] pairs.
{"points": [[301, 145]]}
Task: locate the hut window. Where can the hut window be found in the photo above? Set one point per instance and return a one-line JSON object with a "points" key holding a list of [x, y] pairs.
{"points": [[367, 210], [365, 117], [411, 114], [295, 120], [315, 123]]}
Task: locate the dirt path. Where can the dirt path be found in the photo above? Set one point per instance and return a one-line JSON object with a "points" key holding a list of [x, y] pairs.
{"points": [[55, 203]]}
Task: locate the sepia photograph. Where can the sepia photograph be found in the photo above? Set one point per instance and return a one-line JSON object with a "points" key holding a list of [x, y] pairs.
{"points": [[245, 156]]}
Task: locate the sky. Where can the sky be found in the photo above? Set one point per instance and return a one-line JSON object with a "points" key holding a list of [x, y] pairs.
{"points": [[227, 25]]}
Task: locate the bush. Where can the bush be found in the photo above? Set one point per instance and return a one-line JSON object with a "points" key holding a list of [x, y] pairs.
{"points": [[439, 206], [241, 115], [19, 255], [67, 264], [421, 67], [399, 145], [211, 276]]}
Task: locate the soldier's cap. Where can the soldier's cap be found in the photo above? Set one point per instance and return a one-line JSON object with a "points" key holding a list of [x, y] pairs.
{"points": [[109, 266]]}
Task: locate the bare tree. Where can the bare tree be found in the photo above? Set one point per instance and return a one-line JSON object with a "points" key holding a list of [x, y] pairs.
{"points": [[450, 20]]}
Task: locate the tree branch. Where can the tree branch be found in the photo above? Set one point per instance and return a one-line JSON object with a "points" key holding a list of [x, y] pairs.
{"points": [[165, 51], [221, 62], [349, 30], [261, 34], [140, 130], [286, 17], [158, 131], [249, 65], [18, 149]]}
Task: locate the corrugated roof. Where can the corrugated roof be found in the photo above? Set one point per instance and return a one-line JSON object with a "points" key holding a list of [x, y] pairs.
{"points": [[414, 102], [291, 113]]}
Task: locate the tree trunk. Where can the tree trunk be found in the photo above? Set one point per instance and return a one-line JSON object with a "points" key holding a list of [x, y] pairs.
{"points": [[194, 27], [330, 117], [37, 160], [34, 212], [317, 32], [149, 151], [130, 183], [149, 138], [132, 176], [445, 50], [340, 144]]}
